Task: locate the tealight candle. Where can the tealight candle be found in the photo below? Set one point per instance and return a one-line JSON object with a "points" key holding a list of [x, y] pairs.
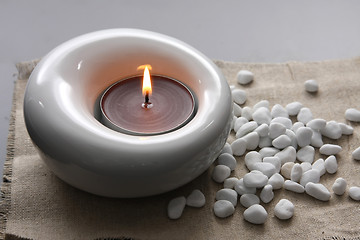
{"points": [[129, 106]]}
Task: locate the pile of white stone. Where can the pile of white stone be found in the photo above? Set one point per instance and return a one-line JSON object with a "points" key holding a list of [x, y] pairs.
{"points": [[285, 159]]}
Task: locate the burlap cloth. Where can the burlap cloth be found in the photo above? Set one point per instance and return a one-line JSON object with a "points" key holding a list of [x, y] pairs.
{"points": [[37, 205]]}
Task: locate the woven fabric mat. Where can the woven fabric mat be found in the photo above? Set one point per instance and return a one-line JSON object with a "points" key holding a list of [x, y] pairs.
{"points": [[37, 205]]}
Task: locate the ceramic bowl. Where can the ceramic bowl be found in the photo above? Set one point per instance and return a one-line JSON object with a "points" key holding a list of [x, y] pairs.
{"points": [[61, 115]]}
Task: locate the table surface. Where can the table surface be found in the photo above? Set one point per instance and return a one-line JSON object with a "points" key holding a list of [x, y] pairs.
{"points": [[235, 30]]}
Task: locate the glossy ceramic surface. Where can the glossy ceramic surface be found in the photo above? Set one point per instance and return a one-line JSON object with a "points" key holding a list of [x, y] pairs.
{"points": [[61, 118]]}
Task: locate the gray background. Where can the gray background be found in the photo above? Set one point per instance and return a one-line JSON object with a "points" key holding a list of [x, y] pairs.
{"points": [[233, 30]]}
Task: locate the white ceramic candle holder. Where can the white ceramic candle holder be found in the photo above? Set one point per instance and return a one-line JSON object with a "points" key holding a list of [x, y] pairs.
{"points": [[62, 118]]}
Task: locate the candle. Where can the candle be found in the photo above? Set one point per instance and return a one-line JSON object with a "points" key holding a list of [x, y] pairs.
{"points": [[144, 105]]}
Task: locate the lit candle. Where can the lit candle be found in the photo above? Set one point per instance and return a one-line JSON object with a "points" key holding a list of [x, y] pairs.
{"points": [[147, 105], [146, 87]]}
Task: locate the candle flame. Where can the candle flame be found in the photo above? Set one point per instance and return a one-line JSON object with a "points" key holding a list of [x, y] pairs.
{"points": [[142, 67], [146, 86]]}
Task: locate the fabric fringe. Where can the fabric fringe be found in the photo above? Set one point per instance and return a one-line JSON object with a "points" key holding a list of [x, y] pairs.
{"points": [[122, 238], [26, 68], [24, 71], [7, 172], [339, 238], [15, 237]]}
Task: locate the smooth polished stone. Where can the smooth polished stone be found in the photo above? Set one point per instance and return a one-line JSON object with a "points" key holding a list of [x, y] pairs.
{"points": [[196, 199], [284, 209], [176, 207], [223, 208], [255, 214]]}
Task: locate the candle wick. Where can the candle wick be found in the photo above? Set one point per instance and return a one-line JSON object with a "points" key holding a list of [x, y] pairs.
{"points": [[147, 98], [147, 103]]}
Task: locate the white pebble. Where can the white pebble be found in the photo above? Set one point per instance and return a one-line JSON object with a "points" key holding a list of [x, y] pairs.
{"points": [[227, 160], [246, 128], [244, 77], [237, 110], [354, 193], [241, 189], [286, 169], [294, 108], [330, 149], [267, 194], [356, 154], [303, 136], [230, 182], [296, 172], [318, 191], [339, 186], [288, 154], [255, 214], [311, 86], [261, 115], [292, 136], [266, 168], [316, 124], [220, 173], [223, 208], [305, 115], [320, 166], [176, 207], [195, 199], [232, 124], [284, 121], [332, 130], [251, 158], [346, 129], [274, 161], [252, 140], [276, 181], [306, 166], [226, 149], [352, 114], [279, 111], [312, 176], [284, 209], [248, 200], [331, 165], [262, 103], [268, 151], [239, 96], [262, 130], [276, 129], [247, 113], [316, 139], [239, 122], [306, 154], [293, 186], [227, 194], [265, 142], [255, 179], [238, 147], [296, 126], [281, 142]]}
